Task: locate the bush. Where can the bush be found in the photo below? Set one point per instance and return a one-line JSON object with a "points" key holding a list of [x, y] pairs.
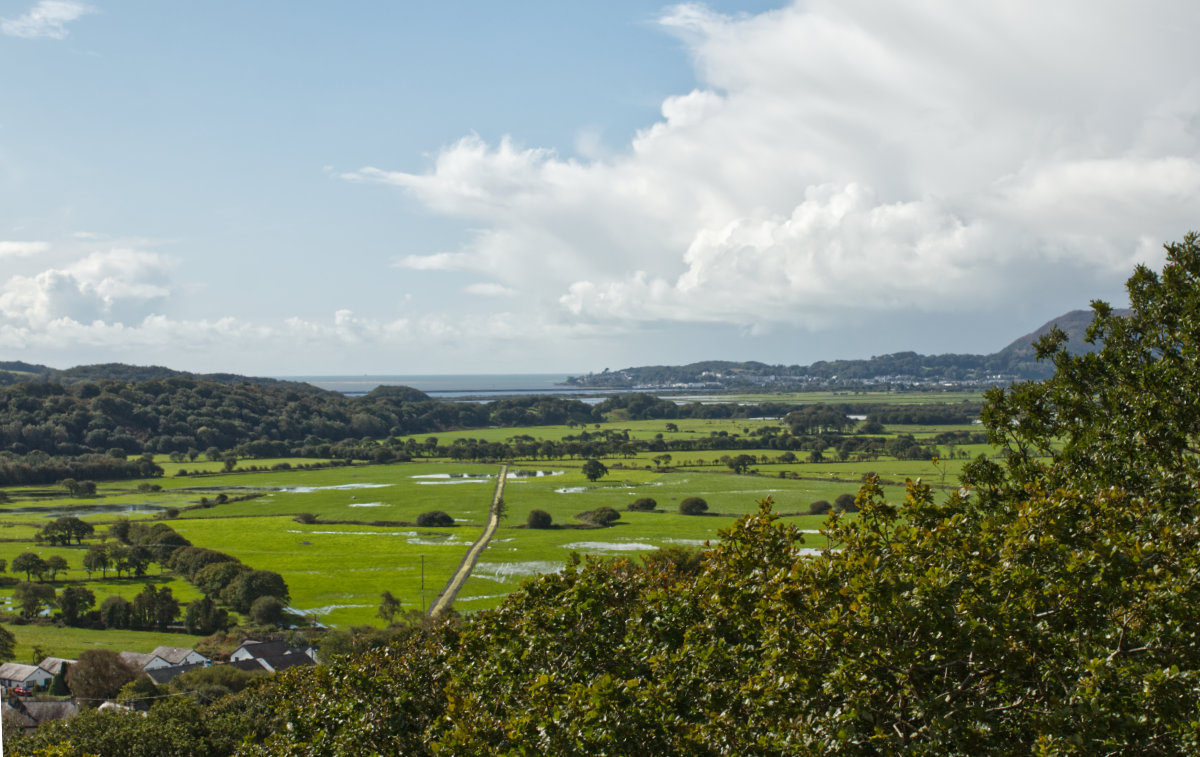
{"points": [[693, 506], [306, 518], [820, 507], [539, 519], [434, 518], [601, 516], [267, 611], [645, 504], [845, 503]]}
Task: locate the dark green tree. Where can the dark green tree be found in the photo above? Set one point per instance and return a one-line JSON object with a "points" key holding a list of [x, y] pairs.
{"points": [[434, 518], [33, 597], [388, 607], [98, 675], [693, 506], [538, 519], [30, 564], [268, 611], [740, 464], [74, 601], [58, 686], [204, 617], [8, 644], [594, 470]]}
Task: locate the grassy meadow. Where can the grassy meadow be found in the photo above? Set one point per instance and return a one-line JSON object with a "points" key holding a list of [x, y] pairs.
{"points": [[337, 567]]}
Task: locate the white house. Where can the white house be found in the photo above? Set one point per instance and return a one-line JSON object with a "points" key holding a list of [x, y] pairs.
{"points": [[180, 656], [144, 660], [15, 674]]}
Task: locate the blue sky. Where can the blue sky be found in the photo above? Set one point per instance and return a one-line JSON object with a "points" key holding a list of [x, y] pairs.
{"points": [[284, 188]]}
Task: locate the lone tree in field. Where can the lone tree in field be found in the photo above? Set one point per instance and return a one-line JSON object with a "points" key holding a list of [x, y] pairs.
{"points": [[642, 504], [539, 519], [388, 607], [434, 518], [845, 503], [594, 470], [693, 506]]}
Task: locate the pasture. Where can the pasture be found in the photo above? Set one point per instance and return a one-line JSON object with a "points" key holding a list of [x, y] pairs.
{"points": [[362, 541]]}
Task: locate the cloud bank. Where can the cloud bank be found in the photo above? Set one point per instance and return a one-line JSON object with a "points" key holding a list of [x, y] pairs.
{"points": [[846, 156]]}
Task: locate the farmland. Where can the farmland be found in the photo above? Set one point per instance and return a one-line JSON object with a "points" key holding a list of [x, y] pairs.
{"points": [[340, 536]]}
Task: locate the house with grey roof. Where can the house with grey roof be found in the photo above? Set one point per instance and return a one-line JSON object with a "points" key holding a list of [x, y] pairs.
{"points": [[28, 714], [180, 656], [163, 676], [53, 664], [271, 656], [144, 661], [15, 674]]}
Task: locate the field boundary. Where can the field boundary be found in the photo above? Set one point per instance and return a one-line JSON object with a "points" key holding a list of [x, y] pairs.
{"points": [[445, 599]]}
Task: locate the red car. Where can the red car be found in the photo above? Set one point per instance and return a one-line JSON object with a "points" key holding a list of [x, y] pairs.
{"points": [[22, 691]]}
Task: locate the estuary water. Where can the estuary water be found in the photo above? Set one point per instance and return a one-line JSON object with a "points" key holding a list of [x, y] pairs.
{"points": [[449, 386]]}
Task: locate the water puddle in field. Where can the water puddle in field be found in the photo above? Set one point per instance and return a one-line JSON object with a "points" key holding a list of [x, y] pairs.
{"points": [[687, 542], [533, 473], [438, 540], [454, 481], [338, 487], [368, 504], [504, 572], [452, 476], [571, 490], [319, 611], [480, 598], [352, 533], [608, 546], [388, 569], [77, 510]]}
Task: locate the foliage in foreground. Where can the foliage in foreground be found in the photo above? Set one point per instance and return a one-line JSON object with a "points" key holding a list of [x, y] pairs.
{"points": [[1048, 607]]}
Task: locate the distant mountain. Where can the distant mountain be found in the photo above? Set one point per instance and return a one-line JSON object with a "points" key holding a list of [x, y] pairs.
{"points": [[1015, 362]]}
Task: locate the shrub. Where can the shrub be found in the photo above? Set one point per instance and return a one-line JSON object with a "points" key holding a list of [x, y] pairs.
{"points": [[845, 503], [644, 504], [434, 518], [267, 611], [820, 507], [601, 516], [306, 518], [539, 519], [693, 506]]}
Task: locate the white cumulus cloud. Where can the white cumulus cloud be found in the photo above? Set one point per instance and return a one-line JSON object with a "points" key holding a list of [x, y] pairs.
{"points": [[926, 155], [119, 285], [22, 249], [46, 20]]}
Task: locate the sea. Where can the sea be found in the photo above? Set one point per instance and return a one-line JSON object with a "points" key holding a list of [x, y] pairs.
{"points": [[457, 386]]}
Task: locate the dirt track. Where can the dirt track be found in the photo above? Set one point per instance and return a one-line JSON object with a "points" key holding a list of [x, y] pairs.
{"points": [[446, 598]]}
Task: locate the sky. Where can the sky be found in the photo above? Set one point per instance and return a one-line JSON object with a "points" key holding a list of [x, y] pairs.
{"points": [[288, 187]]}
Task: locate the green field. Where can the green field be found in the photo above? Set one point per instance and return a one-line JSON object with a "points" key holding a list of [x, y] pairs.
{"points": [[337, 567]]}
